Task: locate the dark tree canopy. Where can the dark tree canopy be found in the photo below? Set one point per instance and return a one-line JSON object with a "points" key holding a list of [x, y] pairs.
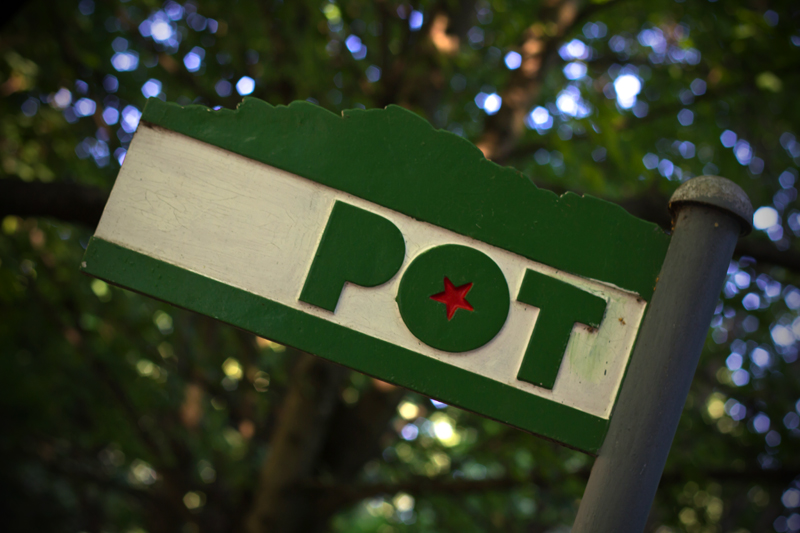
{"points": [[125, 414]]}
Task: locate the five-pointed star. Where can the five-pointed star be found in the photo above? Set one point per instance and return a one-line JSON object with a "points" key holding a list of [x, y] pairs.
{"points": [[454, 297]]}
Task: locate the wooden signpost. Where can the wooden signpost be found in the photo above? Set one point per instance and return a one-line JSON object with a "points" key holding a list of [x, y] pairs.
{"points": [[379, 243]]}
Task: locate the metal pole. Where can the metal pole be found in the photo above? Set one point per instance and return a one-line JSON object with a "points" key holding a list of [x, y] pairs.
{"points": [[709, 214]]}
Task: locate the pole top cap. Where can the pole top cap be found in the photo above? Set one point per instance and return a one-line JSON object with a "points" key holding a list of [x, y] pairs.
{"points": [[716, 192]]}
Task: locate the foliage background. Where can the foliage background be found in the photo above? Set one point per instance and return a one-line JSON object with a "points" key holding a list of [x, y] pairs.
{"points": [[125, 414]]}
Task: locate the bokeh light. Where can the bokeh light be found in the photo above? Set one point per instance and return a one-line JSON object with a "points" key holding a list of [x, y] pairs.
{"points": [[415, 20], [194, 59], [575, 49], [125, 61], [627, 88], [151, 88], [490, 103], [575, 70], [130, 118], [513, 60], [85, 107], [223, 88], [246, 85], [765, 217]]}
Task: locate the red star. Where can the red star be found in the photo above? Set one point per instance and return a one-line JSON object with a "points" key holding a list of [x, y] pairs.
{"points": [[454, 297]]}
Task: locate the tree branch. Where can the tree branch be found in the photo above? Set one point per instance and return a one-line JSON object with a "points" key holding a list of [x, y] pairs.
{"points": [[68, 202], [341, 495], [302, 425], [369, 419], [347, 494], [652, 206], [539, 50], [83, 204]]}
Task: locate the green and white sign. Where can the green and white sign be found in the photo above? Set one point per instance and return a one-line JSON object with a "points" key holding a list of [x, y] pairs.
{"points": [[379, 243]]}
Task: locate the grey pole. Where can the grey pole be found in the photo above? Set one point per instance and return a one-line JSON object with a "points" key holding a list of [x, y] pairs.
{"points": [[709, 213]]}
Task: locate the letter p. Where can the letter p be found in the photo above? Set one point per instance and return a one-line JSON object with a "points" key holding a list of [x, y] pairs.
{"points": [[357, 246]]}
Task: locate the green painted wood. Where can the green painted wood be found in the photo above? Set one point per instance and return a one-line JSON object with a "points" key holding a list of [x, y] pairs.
{"points": [[396, 159], [427, 319], [356, 350], [561, 305], [356, 246]]}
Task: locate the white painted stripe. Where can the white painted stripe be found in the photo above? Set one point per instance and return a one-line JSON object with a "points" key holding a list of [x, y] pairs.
{"points": [[256, 228]]}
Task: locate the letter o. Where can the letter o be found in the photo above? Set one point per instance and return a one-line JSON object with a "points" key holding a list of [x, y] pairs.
{"points": [[427, 318]]}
